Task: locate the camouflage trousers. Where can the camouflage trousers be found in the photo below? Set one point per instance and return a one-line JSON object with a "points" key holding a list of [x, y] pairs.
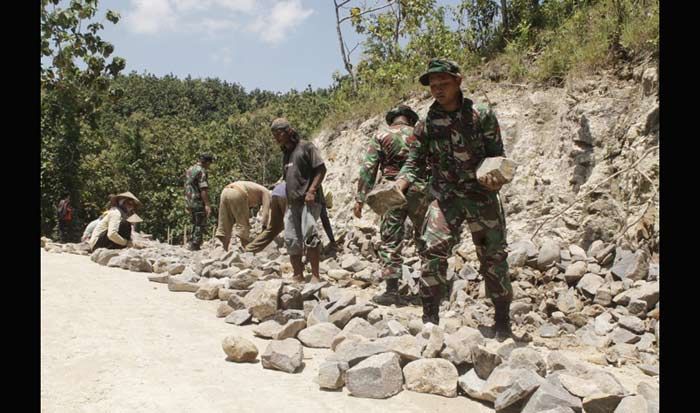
{"points": [[392, 232], [199, 222], [487, 224]]}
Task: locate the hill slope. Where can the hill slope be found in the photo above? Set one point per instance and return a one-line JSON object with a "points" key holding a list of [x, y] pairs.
{"points": [[566, 140]]}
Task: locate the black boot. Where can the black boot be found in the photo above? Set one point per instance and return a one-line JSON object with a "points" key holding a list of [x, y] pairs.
{"points": [[391, 295], [502, 326], [431, 297]]}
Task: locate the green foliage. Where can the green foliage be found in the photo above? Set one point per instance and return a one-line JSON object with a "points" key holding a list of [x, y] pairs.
{"points": [[103, 132], [641, 33], [559, 37], [146, 140], [156, 135], [75, 78], [201, 100], [482, 33], [514, 58], [599, 34]]}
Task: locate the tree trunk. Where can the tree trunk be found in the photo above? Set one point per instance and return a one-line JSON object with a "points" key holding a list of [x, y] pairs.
{"points": [[504, 15], [346, 60], [397, 28]]}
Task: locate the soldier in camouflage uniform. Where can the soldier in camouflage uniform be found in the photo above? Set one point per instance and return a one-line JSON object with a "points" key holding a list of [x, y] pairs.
{"points": [[454, 138], [388, 151], [197, 198]]}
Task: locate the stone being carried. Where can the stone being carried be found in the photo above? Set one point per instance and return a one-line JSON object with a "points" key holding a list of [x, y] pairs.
{"points": [[452, 141], [388, 150]]}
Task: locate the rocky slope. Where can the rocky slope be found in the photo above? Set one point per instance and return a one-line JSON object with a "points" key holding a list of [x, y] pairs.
{"points": [[566, 141]]}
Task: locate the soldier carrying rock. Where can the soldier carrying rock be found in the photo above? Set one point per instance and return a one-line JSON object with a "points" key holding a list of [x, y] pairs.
{"points": [[388, 150], [452, 140]]}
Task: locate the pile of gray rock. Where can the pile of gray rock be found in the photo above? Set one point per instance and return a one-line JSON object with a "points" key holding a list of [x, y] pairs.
{"points": [[380, 353], [605, 297], [68, 248]]}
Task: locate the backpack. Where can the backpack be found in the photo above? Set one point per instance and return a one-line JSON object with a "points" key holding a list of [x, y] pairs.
{"points": [[65, 212]]}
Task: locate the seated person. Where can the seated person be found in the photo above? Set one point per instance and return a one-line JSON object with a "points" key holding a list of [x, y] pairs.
{"points": [[113, 231]]}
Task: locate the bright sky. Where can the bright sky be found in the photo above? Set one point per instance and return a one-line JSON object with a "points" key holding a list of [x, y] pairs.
{"points": [[268, 44]]}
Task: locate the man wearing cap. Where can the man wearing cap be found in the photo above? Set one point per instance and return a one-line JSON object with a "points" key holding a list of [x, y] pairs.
{"points": [[303, 171], [234, 207], [113, 231], [388, 150], [197, 198], [454, 138]]}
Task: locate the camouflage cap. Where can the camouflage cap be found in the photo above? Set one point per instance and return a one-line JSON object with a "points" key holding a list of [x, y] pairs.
{"points": [[439, 66], [280, 123], [401, 110]]}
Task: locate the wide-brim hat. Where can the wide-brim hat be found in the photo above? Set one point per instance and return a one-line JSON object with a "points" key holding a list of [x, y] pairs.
{"points": [[401, 110], [129, 195], [439, 66], [134, 219]]}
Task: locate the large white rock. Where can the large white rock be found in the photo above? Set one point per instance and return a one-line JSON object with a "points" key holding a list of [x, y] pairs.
{"points": [[239, 349], [285, 355], [473, 385], [529, 359], [262, 300], [319, 335], [435, 376], [549, 254], [376, 377], [500, 167], [385, 197], [550, 396], [331, 374], [458, 345], [177, 283]]}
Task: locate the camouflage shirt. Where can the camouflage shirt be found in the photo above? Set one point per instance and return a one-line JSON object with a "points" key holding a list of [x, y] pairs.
{"points": [[387, 150], [452, 145], [195, 181]]}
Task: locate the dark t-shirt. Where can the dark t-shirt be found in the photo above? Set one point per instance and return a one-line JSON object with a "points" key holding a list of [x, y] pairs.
{"points": [[298, 169]]}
